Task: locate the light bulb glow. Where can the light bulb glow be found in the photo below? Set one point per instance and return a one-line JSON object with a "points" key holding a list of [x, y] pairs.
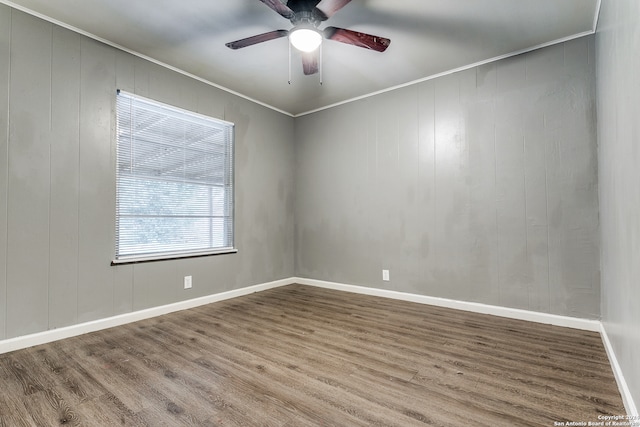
{"points": [[305, 39]]}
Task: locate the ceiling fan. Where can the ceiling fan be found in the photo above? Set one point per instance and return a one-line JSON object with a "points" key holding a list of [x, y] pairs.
{"points": [[306, 16]]}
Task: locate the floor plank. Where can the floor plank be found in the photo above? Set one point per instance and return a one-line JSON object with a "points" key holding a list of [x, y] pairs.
{"points": [[304, 356]]}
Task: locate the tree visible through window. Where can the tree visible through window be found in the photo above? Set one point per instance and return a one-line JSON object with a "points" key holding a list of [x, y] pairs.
{"points": [[174, 190]]}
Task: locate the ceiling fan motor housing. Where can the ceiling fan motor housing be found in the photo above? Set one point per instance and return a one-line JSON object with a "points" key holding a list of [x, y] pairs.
{"points": [[306, 16], [306, 19]]}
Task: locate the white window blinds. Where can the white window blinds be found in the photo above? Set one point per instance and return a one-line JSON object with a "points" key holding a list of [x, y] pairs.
{"points": [[174, 191]]}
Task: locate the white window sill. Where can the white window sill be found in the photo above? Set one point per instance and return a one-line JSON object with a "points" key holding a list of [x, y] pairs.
{"points": [[170, 256]]}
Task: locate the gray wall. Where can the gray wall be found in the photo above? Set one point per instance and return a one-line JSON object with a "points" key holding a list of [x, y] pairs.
{"points": [[618, 68], [57, 182], [478, 186]]}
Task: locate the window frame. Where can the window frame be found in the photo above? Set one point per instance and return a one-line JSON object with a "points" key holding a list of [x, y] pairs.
{"points": [[181, 253]]}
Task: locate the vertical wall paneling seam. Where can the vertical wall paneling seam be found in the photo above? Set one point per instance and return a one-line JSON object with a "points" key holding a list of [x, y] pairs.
{"points": [[294, 172], [494, 107], [50, 107], [371, 174], [546, 201], [435, 166], [112, 131], [524, 185], [420, 178], [398, 142], [499, 246], [133, 266], [524, 178], [79, 160], [114, 166], [6, 171], [526, 79], [377, 145], [379, 242], [495, 194], [418, 134], [50, 145], [616, 90]]}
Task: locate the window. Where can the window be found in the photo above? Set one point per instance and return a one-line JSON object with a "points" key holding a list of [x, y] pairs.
{"points": [[174, 182]]}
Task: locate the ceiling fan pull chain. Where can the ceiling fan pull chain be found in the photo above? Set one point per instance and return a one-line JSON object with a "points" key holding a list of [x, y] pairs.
{"points": [[320, 60], [289, 43]]}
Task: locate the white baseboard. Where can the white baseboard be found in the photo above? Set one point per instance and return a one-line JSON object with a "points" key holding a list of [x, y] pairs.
{"points": [[627, 398], [512, 313], [109, 322]]}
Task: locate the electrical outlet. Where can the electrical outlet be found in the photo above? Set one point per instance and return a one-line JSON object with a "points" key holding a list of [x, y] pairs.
{"points": [[385, 275], [187, 282]]}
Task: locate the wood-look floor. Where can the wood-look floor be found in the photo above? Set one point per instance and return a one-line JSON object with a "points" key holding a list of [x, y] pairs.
{"points": [[303, 356]]}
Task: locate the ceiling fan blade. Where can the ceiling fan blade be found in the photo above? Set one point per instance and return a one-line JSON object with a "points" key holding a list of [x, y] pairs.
{"points": [[355, 38], [310, 62], [249, 41], [329, 7], [279, 7]]}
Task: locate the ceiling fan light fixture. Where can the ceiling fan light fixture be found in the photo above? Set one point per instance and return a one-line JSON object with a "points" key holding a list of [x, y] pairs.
{"points": [[305, 39]]}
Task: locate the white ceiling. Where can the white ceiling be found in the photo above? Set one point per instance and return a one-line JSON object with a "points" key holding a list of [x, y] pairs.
{"points": [[428, 37]]}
